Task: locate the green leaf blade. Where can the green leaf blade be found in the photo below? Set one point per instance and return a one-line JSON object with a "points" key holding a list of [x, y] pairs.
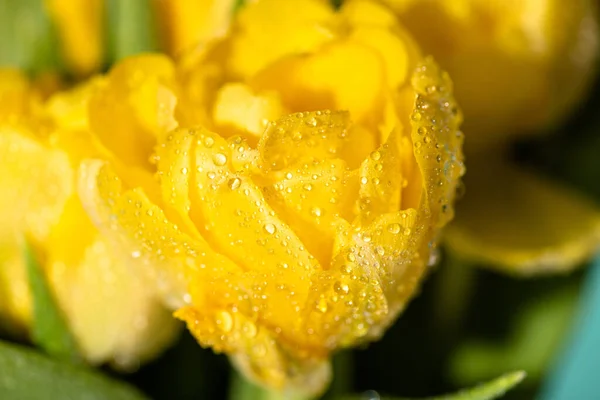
{"points": [[489, 390], [28, 375], [49, 330]]}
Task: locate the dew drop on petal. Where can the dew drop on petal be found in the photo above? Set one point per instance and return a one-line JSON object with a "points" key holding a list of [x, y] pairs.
{"points": [[394, 228], [270, 228], [220, 159]]}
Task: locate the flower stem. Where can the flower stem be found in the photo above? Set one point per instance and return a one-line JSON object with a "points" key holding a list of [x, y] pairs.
{"points": [[242, 389], [453, 293]]}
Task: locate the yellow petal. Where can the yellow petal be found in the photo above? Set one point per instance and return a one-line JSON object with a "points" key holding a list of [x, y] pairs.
{"points": [[16, 95], [303, 137], [234, 216], [521, 223], [518, 65], [325, 80], [122, 322], [239, 110], [381, 179], [80, 27], [135, 106], [184, 23], [267, 30], [311, 199], [141, 229], [36, 182]]}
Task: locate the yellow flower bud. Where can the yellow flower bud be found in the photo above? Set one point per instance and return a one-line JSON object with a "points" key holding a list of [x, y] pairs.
{"points": [[113, 316], [518, 65], [281, 230]]}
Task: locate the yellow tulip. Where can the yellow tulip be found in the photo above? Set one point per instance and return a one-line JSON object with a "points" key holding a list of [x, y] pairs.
{"points": [[314, 162], [519, 67], [113, 316]]}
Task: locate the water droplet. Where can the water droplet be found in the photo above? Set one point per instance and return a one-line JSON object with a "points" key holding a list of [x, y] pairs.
{"points": [[375, 155], [208, 141], [220, 159], [234, 183], [136, 254], [346, 269], [322, 305], [259, 350], [312, 121], [316, 211], [270, 228], [394, 228], [211, 175], [341, 288], [184, 171], [224, 321], [249, 329]]}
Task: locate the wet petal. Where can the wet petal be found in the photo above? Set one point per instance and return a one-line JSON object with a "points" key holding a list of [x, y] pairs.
{"points": [[128, 324], [163, 252], [303, 136]]}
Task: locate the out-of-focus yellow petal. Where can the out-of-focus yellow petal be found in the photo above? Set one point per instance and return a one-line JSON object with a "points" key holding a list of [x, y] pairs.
{"points": [[36, 182], [80, 28], [270, 29], [377, 27], [134, 106], [330, 79], [18, 97], [122, 322], [517, 65], [240, 110], [526, 225], [184, 23]]}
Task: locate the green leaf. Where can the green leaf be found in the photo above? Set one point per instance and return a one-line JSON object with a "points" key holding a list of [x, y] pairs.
{"points": [[27, 36], [49, 329], [537, 333], [487, 391], [28, 375], [131, 28]]}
